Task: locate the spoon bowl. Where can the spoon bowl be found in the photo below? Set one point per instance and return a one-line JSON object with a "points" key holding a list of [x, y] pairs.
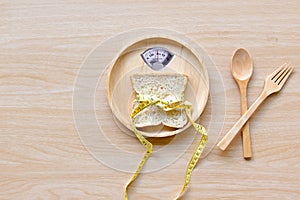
{"points": [[241, 66]]}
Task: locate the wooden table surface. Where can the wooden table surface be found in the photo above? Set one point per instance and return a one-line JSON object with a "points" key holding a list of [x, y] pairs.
{"points": [[42, 47]]}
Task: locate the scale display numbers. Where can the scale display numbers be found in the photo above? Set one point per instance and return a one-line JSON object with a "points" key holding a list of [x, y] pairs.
{"points": [[157, 58]]}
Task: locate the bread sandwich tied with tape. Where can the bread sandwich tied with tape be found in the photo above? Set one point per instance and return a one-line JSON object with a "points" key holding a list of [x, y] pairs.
{"points": [[165, 89]]}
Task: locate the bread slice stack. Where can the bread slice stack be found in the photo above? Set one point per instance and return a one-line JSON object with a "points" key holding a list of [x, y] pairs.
{"points": [[166, 87]]}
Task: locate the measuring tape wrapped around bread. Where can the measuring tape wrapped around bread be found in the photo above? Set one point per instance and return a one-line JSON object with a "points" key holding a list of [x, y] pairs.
{"points": [[168, 89], [160, 100]]}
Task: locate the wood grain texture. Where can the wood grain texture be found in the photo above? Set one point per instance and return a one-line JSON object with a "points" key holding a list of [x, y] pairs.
{"points": [[42, 46]]}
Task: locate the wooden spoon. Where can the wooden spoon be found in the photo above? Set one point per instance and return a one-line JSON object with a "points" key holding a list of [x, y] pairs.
{"points": [[241, 70]]}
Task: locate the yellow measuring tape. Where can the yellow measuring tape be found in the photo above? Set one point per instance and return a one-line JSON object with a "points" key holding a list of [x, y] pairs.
{"points": [[167, 105]]}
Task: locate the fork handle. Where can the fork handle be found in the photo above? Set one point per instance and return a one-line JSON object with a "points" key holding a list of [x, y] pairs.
{"points": [[226, 140]]}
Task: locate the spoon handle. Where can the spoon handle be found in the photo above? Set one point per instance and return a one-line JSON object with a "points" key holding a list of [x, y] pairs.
{"points": [[226, 140], [247, 149]]}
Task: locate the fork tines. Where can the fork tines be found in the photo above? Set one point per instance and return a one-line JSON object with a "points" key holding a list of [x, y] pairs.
{"points": [[282, 73]]}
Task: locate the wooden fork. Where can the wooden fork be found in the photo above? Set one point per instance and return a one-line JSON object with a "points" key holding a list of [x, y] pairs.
{"points": [[273, 83]]}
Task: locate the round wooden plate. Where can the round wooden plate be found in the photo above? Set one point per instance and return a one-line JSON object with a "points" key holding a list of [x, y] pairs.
{"points": [[186, 61]]}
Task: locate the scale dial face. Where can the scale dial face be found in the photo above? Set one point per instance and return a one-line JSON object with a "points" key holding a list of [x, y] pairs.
{"points": [[157, 58]]}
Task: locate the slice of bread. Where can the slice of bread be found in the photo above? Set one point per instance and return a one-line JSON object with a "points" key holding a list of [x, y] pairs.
{"points": [[161, 86], [151, 116], [175, 118]]}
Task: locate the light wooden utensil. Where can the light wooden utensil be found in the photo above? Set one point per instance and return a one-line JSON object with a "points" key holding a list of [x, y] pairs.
{"points": [[273, 83], [241, 70]]}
